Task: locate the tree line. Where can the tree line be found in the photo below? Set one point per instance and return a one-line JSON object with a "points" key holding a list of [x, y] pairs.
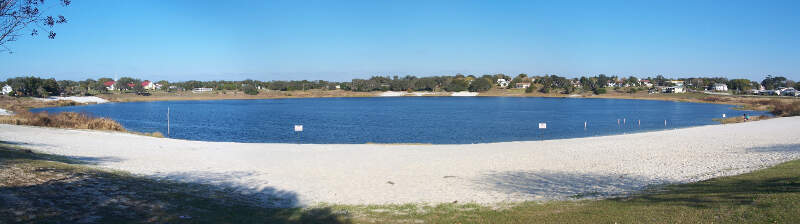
{"points": [[41, 87]]}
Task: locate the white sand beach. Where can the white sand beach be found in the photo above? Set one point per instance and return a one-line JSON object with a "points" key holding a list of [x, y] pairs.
{"points": [[77, 99], [482, 173]]}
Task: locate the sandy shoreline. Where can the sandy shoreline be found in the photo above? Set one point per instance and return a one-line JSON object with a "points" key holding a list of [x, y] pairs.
{"points": [[292, 174]]}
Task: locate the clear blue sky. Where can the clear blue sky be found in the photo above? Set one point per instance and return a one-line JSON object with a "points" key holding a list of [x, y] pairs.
{"points": [[339, 40]]}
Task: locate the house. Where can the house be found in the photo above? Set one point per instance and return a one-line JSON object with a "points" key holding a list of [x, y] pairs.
{"points": [[646, 82], [720, 87], [755, 91], [200, 90], [676, 82], [674, 89], [790, 92], [7, 89], [503, 83], [523, 85], [110, 85], [147, 84]]}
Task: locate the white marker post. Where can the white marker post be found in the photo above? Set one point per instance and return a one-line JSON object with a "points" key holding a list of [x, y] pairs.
{"points": [[624, 120], [542, 125], [723, 115], [640, 123], [584, 124], [665, 123], [298, 128]]}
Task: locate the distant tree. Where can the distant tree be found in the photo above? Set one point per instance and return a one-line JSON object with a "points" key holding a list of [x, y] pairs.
{"points": [[740, 85], [457, 85], [20, 15], [164, 85], [480, 84], [773, 82], [128, 83]]}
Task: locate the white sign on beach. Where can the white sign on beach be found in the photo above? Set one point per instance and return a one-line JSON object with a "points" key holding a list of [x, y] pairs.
{"points": [[542, 125], [298, 127]]}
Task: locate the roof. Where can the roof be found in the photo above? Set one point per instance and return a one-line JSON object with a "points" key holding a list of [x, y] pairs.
{"points": [[109, 83], [145, 83]]}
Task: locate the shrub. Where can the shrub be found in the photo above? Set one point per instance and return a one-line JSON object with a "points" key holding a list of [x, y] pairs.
{"points": [[599, 91], [785, 109], [62, 120]]}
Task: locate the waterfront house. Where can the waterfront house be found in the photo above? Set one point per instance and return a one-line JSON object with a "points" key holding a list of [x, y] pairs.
{"points": [[755, 91], [110, 85], [674, 89], [523, 85], [7, 89], [646, 82], [502, 83], [147, 84], [790, 92], [676, 82], [720, 87], [200, 90]]}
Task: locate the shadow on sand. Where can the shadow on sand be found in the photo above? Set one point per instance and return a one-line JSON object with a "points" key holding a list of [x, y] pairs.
{"points": [[561, 185], [42, 188]]}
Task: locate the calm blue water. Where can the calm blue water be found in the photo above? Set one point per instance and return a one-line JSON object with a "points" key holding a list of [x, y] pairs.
{"points": [[439, 120]]}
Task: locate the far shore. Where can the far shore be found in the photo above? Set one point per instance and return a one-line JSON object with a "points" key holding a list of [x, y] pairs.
{"points": [[746, 102]]}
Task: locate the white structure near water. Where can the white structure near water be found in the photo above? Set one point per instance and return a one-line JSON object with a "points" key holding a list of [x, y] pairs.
{"points": [[720, 87], [7, 89], [201, 90]]}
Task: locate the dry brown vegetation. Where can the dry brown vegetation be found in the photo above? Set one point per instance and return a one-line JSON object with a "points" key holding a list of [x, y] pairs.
{"points": [[62, 120]]}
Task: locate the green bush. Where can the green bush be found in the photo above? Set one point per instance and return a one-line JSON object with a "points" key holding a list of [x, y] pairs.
{"points": [[600, 91]]}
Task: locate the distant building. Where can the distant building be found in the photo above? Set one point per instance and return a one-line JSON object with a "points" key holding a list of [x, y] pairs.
{"points": [[674, 89], [110, 85], [646, 82], [523, 85], [147, 84], [502, 83], [200, 90], [720, 87], [676, 82], [7, 89], [790, 92]]}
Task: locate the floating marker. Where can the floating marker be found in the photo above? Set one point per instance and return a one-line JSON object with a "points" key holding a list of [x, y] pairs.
{"points": [[623, 121], [640, 122], [665, 123], [584, 124], [723, 115], [542, 125], [298, 128]]}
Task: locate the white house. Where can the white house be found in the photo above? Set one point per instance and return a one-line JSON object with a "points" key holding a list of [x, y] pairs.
{"points": [[523, 85], [790, 92], [674, 89], [7, 89], [676, 82], [200, 90], [502, 83], [720, 87], [646, 82]]}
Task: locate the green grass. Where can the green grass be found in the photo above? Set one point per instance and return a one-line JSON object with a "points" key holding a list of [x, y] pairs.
{"points": [[770, 195]]}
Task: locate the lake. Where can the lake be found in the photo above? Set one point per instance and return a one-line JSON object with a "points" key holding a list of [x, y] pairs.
{"points": [[437, 120]]}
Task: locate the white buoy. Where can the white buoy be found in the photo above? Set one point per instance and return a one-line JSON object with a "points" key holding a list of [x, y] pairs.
{"points": [[584, 124], [640, 122], [542, 125], [624, 120], [298, 128], [665, 123], [723, 115]]}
